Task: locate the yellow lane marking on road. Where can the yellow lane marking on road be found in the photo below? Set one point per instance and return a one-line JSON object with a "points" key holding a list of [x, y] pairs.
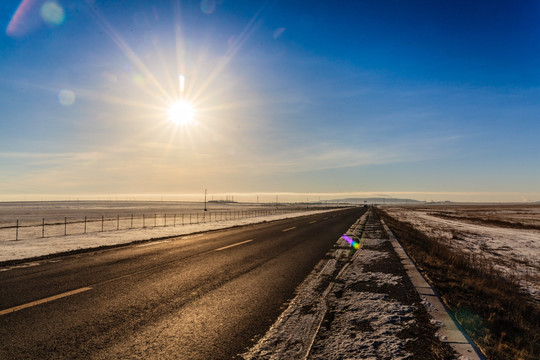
{"points": [[233, 245], [39, 302], [291, 228], [313, 222]]}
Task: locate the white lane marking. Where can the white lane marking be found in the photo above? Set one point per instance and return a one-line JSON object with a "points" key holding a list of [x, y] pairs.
{"points": [[313, 222], [154, 243], [192, 236], [21, 266], [326, 218], [233, 245], [39, 302], [291, 228]]}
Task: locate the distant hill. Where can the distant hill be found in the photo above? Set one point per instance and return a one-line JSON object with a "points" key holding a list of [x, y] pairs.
{"points": [[379, 200]]}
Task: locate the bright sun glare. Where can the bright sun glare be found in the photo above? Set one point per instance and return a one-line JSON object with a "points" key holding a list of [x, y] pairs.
{"points": [[182, 113]]}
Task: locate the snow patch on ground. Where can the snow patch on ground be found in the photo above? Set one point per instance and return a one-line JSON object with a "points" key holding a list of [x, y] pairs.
{"points": [[516, 252], [370, 256], [366, 326]]}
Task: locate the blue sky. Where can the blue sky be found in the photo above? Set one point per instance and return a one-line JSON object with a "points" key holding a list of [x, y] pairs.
{"points": [[419, 99]]}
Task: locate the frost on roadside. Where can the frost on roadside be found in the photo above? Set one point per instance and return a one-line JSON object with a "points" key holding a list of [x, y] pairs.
{"points": [[365, 325]]}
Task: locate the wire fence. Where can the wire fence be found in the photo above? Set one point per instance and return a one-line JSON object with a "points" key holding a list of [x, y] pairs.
{"points": [[92, 224]]}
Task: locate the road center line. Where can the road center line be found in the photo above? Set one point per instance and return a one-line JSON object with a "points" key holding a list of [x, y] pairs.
{"points": [[39, 302], [313, 222], [291, 228], [233, 245]]}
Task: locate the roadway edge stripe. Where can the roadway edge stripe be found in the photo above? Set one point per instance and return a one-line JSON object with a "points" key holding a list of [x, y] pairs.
{"points": [[291, 228], [39, 302], [233, 245]]}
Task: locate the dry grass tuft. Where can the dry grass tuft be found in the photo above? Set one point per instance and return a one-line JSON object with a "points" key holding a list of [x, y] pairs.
{"points": [[502, 319]]}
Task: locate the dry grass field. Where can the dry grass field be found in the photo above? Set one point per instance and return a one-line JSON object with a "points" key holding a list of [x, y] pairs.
{"points": [[484, 262]]}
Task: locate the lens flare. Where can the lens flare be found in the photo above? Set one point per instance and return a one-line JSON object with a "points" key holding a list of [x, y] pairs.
{"points": [[52, 13], [181, 81], [278, 32], [66, 97], [208, 6], [354, 244]]}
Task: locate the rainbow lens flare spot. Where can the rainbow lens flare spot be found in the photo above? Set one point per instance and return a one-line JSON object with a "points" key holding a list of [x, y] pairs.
{"points": [[354, 244]]}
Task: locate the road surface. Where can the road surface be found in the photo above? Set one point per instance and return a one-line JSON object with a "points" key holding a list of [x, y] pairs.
{"points": [[205, 296]]}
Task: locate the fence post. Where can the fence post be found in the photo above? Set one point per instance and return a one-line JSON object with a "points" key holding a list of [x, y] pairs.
{"points": [[117, 222], [43, 228], [182, 219], [197, 218], [102, 220], [155, 217], [17, 231], [143, 224], [189, 218], [165, 221], [174, 221], [65, 226], [131, 221], [85, 224]]}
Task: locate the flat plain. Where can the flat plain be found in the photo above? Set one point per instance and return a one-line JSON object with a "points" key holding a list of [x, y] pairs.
{"points": [[507, 236]]}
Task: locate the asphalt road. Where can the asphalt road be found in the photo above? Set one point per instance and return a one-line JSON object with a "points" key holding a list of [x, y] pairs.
{"points": [[206, 296]]}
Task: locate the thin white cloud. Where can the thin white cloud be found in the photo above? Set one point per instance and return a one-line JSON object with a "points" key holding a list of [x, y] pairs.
{"points": [[45, 156]]}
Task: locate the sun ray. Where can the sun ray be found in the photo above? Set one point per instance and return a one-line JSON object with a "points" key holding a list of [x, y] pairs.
{"points": [[242, 38], [126, 49]]}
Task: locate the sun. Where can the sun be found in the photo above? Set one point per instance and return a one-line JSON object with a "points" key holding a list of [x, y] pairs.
{"points": [[182, 113]]}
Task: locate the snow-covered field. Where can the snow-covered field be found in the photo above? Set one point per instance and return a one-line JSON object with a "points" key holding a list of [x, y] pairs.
{"points": [[504, 235], [31, 220], [37, 246], [32, 212]]}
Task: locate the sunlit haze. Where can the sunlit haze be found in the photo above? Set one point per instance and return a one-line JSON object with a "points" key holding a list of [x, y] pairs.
{"points": [[304, 101]]}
